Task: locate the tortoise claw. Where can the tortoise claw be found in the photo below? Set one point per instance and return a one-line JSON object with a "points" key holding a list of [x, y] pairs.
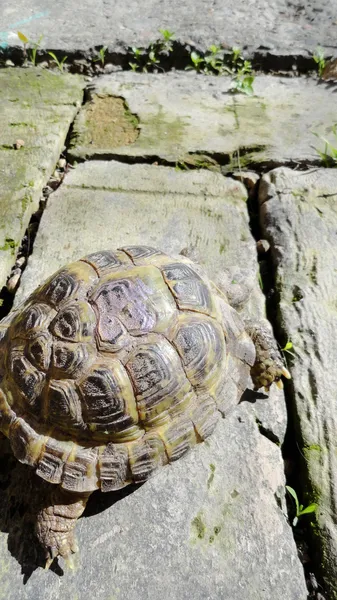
{"points": [[286, 373], [50, 555]]}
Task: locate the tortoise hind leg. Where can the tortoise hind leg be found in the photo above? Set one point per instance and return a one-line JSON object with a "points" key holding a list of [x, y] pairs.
{"points": [[55, 524]]}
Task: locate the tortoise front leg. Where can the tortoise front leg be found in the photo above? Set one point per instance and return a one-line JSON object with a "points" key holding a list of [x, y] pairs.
{"points": [[268, 366], [55, 524]]}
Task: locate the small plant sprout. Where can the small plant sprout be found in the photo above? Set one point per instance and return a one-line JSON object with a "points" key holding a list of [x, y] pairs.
{"points": [[137, 54], [288, 348], [214, 62], [35, 46], [329, 154], [25, 41], [101, 55], [33, 52], [197, 62], [148, 59], [59, 63], [166, 42], [319, 59], [311, 508]]}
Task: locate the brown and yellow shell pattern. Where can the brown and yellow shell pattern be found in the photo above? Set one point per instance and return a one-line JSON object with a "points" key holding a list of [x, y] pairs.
{"points": [[116, 365]]}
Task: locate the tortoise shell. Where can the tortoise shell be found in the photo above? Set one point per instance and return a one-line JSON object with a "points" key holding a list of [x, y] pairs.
{"points": [[116, 365]]}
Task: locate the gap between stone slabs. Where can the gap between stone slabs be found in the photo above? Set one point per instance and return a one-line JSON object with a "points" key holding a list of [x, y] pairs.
{"points": [[234, 530], [298, 212]]}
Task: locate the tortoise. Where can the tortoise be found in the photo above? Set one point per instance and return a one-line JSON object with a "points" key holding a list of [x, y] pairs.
{"points": [[118, 364]]}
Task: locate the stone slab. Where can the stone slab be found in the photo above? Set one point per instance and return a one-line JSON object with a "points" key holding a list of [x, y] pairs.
{"points": [[181, 114], [214, 524], [280, 28], [299, 218], [184, 534], [37, 107]]}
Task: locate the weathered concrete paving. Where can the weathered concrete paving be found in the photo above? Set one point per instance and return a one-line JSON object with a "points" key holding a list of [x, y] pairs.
{"points": [[279, 27], [211, 525], [299, 217], [181, 114], [36, 107]]}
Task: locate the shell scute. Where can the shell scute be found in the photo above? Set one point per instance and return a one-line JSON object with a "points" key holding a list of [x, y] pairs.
{"points": [[74, 322], [114, 467], [108, 400], [189, 289], [51, 464], [64, 406], [73, 281], [107, 261], [39, 348], [71, 359], [27, 380], [138, 298], [80, 471], [157, 376]]}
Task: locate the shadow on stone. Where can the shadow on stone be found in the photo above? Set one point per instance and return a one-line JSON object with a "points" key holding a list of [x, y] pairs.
{"points": [[251, 396], [22, 495]]}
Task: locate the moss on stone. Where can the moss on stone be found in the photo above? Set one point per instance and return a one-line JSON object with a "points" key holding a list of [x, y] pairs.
{"points": [[211, 477], [164, 127], [9, 245], [199, 526]]}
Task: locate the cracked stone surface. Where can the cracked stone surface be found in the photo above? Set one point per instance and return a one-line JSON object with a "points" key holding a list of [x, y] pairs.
{"points": [[299, 217], [184, 115], [212, 525], [277, 27], [37, 107]]}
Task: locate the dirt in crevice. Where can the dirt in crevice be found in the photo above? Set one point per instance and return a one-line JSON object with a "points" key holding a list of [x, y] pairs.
{"points": [[108, 123]]}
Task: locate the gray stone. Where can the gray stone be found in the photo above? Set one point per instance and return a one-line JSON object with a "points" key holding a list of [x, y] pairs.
{"points": [[183, 115], [37, 108], [212, 525], [206, 527], [299, 218], [280, 28]]}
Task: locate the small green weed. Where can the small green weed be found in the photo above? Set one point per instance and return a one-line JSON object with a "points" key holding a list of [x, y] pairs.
{"points": [[33, 51], [288, 348], [215, 62], [25, 41], [149, 59], [329, 154], [311, 508], [212, 63], [319, 59], [59, 63], [101, 55]]}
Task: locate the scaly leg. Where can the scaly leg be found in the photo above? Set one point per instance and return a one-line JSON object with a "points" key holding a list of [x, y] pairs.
{"points": [[268, 366], [55, 524]]}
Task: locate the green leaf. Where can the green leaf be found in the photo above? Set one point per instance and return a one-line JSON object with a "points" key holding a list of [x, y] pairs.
{"points": [[23, 38], [167, 35], [196, 59], [292, 492], [214, 49], [309, 509]]}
